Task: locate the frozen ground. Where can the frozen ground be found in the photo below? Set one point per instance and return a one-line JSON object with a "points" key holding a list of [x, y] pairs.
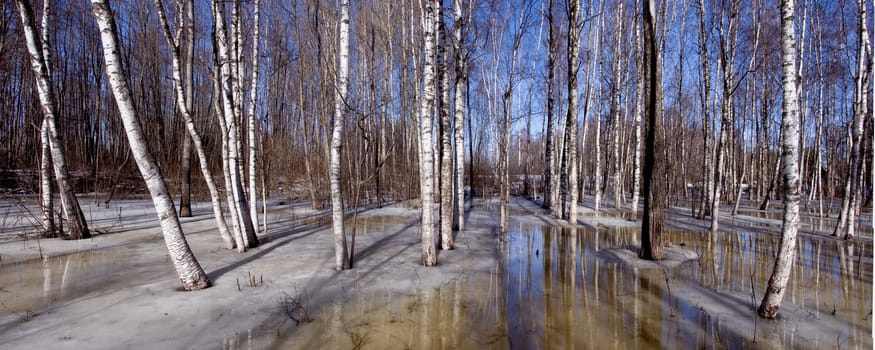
{"points": [[118, 290]]}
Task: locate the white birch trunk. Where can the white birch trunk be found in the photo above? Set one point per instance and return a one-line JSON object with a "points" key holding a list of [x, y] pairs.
{"points": [[571, 122], [718, 175], [598, 161], [249, 237], [446, 163], [47, 201], [818, 164], [238, 235], [341, 260], [237, 72], [706, 115], [790, 143], [426, 157], [639, 110], [727, 122], [237, 232], [185, 198], [550, 181], [850, 203], [616, 107], [190, 272], [231, 114], [220, 116], [253, 98], [680, 99], [77, 227], [183, 101], [591, 91], [597, 180], [461, 81]]}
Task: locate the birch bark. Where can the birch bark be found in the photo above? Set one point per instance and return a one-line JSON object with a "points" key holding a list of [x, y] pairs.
{"points": [[185, 186], [615, 107], [426, 156], [550, 180], [77, 227], [639, 110], [187, 267], [237, 234], [727, 118], [790, 142], [47, 200], [848, 217], [231, 111], [708, 185], [571, 121], [251, 117], [341, 258], [460, 32], [183, 100], [446, 162]]}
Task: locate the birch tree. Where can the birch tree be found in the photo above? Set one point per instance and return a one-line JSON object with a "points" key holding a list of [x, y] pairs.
{"points": [[615, 105], [183, 101], [655, 170], [848, 215], [790, 171], [47, 200], [251, 118], [817, 181], [708, 184], [461, 82], [187, 267], [230, 93], [77, 227], [639, 110], [593, 89], [570, 153], [426, 156], [185, 185], [727, 39], [680, 105], [597, 172], [446, 161], [341, 258], [550, 179], [219, 108]]}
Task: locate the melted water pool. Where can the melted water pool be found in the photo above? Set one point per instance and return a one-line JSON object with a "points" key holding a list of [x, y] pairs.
{"points": [[28, 288], [550, 290]]}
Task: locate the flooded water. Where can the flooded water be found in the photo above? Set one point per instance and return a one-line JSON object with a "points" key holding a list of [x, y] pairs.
{"points": [[810, 220], [30, 287], [550, 290]]}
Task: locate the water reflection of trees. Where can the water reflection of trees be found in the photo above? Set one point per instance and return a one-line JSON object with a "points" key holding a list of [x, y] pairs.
{"points": [[551, 290]]}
